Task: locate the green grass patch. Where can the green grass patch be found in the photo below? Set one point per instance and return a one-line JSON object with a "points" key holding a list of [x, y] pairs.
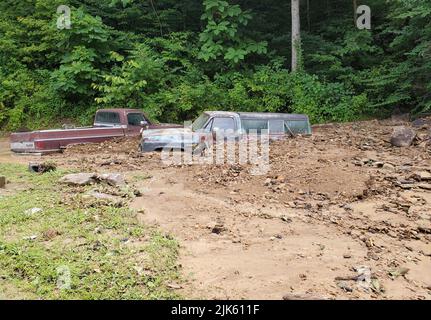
{"points": [[78, 250]]}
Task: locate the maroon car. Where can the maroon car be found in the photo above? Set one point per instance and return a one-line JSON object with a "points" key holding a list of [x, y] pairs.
{"points": [[108, 124]]}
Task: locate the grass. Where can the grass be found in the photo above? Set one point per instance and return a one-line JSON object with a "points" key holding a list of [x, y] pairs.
{"points": [[76, 249]]}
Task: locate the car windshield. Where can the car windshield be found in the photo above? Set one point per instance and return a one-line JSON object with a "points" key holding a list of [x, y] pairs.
{"points": [[200, 122], [134, 119]]}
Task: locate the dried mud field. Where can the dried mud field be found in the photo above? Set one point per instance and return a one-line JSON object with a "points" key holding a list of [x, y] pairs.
{"points": [[340, 215]]}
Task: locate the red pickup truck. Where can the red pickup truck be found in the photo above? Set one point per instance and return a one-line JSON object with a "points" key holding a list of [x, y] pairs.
{"points": [[108, 124]]}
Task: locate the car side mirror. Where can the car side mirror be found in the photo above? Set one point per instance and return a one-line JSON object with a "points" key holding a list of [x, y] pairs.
{"points": [[144, 123]]}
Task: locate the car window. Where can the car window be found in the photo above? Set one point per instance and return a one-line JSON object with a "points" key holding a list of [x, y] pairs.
{"points": [[108, 117], [200, 122], [223, 124], [209, 126], [135, 119], [254, 125], [297, 127], [276, 126]]}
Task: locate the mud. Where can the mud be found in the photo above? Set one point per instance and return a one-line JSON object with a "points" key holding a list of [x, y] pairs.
{"points": [[340, 201]]}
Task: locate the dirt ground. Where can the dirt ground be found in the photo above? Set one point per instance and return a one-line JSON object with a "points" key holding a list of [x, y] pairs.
{"points": [[340, 204]]}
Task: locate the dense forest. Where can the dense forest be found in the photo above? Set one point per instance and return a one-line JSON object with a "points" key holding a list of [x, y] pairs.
{"points": [[174, 59]]}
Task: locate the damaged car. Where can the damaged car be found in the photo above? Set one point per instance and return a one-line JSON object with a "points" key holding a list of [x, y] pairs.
{"points": [[233, 125]]}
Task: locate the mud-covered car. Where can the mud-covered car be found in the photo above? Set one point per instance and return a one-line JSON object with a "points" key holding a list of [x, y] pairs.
{"points": [[234, 125]]}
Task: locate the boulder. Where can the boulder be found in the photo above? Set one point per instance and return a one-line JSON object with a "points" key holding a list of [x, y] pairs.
{"points": [[113, 179], [403, 137], [79, 179]]}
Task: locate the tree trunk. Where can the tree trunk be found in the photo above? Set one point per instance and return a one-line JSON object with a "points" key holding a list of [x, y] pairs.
{"points": [[296, 36]]}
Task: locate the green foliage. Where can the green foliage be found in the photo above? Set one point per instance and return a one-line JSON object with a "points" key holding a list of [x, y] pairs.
{"points": [[176, 58], [222, 37]]}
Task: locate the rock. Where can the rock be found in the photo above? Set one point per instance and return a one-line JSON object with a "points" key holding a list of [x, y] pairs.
{"points": [[102, 196], [424, 229], [2, 182], [388, 167], [421, 122], [421, 176], [268, 182], [174, 285], [425, 186], [137, 193], [343, 285], [113, 179], [304, 297], [218, 229], [403, 137], [347, 256], [50, 234], [79, 179], [399, 272]]}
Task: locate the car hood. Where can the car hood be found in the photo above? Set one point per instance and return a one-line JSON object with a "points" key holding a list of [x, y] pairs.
{"points": [[167, 132]]}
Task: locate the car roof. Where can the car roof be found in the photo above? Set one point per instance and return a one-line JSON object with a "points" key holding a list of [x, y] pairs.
{"points": [[221, 113], [120, 110], [259, 115], [272, 116]]}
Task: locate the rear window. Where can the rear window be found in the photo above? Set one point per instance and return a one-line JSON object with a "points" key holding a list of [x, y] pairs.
{"points": [[135, 119], [255, 125], [297, 127], [224, 124], [108, 117]]}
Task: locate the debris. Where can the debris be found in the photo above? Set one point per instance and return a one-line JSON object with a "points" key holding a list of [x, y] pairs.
{"points": [[78, 179], [347, 278], [32, 211], [30, 238], [403, 137], [2, 182], [42, 167], [347, 256]]}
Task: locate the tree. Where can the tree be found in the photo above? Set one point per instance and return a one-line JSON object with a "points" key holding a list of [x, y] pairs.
{"points": [[296, 36]]}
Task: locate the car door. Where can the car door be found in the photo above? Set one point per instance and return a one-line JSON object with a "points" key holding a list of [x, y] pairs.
{"points": [[134, 125], [224, 126]]}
